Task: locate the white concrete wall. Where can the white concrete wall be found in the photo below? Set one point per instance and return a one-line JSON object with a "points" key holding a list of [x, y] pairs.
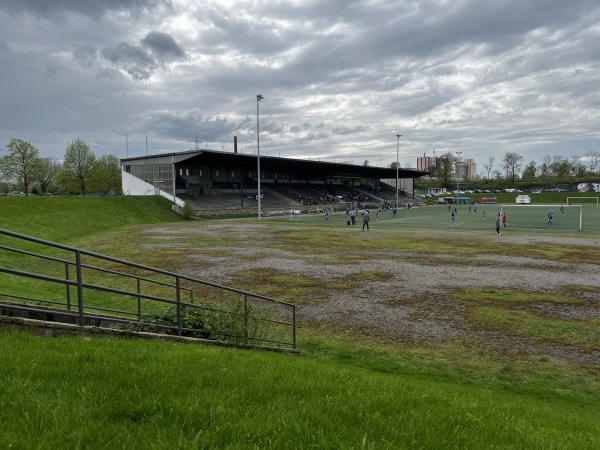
{"points": [[134, 186]]}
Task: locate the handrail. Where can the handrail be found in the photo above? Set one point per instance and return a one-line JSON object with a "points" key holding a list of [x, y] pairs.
{"points": [[87, 266], [136, 265], [82, 313]]}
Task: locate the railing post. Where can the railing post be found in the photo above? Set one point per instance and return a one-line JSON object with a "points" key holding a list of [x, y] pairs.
{"points": [[79, 287], [294, 324], [246, 319], [177, 284], [68, 286], [139, 299]]}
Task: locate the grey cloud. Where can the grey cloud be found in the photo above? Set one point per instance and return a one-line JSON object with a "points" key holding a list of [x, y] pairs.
{"points": [[132, 59], [175, 125], [227, 30], [86, 55], [92, 103], [92, 8], [162, 45], [141, 61], [340, 77]]}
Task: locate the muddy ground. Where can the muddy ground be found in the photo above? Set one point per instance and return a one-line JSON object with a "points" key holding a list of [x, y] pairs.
{"points": [[415, 300]]}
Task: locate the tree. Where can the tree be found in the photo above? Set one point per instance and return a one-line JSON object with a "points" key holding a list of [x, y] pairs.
{"points": [[46, 171], [366, 163], [489, 166], [578, 169], [75, 175], [445, 168], [106, 175], [395, 164], [560, 167], [19, 163], [529, 172], [512, 164], [593, 159]]}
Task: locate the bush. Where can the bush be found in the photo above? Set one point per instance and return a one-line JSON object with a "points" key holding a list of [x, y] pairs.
{"points": [[188, 210], [238, 324], [190, 318]]}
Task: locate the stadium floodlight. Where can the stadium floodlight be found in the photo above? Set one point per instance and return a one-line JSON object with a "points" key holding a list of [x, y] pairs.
{"points": [[258, 99], [457, 177], [397, 163]]}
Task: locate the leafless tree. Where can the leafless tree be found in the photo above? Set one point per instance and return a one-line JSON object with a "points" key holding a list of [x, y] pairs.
{"points": [[512, 164], [593, 159], [489, 166]]}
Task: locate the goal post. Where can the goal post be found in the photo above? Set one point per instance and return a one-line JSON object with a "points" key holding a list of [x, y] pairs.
{"points": [[342, 206], [582, 200], [536, 217]]}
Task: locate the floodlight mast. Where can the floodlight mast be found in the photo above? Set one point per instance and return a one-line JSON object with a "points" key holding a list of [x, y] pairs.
{"points": [[258, 99], [397, 164], [457, 177]]}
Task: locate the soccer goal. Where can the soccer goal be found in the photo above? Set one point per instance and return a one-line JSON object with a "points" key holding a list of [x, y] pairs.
{"points": [[343, 206], [285, 213], [582, 201], [544, 217]]}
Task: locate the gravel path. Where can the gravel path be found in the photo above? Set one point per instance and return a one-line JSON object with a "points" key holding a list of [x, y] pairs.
{"points": [[414, 302]]}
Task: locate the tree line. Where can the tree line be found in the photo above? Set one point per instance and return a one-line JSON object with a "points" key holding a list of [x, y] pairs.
{"points": [[81, 172], [556, 169]]}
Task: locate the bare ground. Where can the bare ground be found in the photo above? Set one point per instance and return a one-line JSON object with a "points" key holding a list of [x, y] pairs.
{"points": [[414, 302]]}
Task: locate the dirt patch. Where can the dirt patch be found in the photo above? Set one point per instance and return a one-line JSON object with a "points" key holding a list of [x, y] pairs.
{"points": [[413, 301]]}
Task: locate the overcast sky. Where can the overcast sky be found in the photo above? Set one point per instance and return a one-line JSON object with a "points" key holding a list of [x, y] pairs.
{"points": [[340, 78]]}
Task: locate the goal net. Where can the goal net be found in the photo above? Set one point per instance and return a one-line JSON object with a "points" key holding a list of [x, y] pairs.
{"points": [[342, 206], [544, 217], [582, 201]]}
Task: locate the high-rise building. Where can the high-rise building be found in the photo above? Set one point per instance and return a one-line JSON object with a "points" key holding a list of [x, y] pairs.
{"points": [[425, 162], [466, 170], [471, 169]]}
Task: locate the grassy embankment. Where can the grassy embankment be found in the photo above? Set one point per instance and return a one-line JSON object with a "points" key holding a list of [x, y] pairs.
{"points": [[344, 392]]}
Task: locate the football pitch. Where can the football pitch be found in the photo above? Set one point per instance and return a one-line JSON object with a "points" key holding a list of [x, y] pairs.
{"points": [[532, 218]]}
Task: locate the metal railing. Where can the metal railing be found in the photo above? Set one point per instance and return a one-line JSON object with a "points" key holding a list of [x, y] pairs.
{"points": [[90, 287]]}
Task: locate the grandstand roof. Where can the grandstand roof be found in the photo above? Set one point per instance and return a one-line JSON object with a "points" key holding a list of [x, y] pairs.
{"points": [[212, 158]]}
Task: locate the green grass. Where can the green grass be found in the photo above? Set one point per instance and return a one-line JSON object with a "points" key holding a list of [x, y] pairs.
{"points": [[581, 333], [434, 216], [104, 393], [495, 295], [347, 390], [72, 220]]}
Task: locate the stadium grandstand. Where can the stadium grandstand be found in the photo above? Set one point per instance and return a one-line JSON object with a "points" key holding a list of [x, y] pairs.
{"points": [[218, 181]]}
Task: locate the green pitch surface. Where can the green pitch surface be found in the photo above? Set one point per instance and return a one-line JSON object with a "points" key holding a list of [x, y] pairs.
{"points": [[526, 217]]}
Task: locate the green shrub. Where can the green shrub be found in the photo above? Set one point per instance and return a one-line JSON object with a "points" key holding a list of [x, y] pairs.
{"points": [[188, 210], [190, 318], [239, 324]]}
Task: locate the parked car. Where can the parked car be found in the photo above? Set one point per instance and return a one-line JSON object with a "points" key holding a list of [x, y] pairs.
{"points": [[16, 194]]}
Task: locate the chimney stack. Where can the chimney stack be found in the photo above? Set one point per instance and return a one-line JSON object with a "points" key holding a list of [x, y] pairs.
{"points": [[235, 144]]}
